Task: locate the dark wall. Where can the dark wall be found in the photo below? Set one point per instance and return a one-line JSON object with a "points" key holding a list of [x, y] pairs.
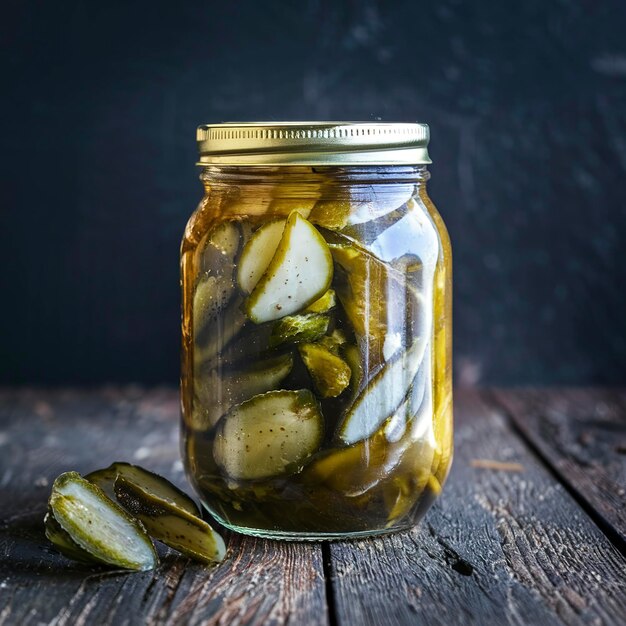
{"points": [[527, 107]]}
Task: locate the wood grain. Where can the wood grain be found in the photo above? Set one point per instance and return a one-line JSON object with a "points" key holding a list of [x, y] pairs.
{"points": [[581, 435], [500, 547], [43, 434]]}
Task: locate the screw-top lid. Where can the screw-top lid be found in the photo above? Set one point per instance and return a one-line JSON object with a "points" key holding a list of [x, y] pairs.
{"points": [[313, 143]]}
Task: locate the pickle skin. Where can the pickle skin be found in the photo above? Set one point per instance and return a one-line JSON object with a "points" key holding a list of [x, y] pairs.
{"points": [[80, 508], [299, 328], [330, 373], [172, 525], [258, 253], [63, 541], [106, 477]]}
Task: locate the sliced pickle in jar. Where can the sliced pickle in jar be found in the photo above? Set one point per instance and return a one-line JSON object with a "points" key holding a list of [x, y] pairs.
{"points": [[269, 435], [299, 328], [99, 526], [220, 389], [258, 253], [335, 341], [352, 356], [63, 542], [156, 484], [222, 247], [330, 373], [216, 287], [324, 304], [299, 273], [361, 289], [331, 213], [165, 521], [382, 395], [220, 330]]}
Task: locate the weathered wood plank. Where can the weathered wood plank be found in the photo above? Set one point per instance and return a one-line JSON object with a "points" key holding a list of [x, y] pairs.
{"points": [[500, 547], [44, 433], [581, 434]]}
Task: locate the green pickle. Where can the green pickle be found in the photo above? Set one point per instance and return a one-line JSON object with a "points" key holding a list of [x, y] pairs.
{"points": [[316, 366]]}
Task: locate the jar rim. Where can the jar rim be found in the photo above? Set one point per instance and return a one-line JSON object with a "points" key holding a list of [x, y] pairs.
{"points": [[313, 143]]}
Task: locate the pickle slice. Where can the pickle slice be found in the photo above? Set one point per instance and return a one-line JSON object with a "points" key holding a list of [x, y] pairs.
{"points": [[298, 328], [330, 373], [382, 395], [324, 304], [269, 435], [99, 526], [361, 287], [158, 485], [258, 253], [216, 288], [334, 341], [352, 355], [218, 391], [167, 522], [299, 273], [222, 246], [63, 542], [217, 333]]}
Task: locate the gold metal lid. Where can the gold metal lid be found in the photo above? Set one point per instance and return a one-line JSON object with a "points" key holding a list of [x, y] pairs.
{"points": [[313, 143]]}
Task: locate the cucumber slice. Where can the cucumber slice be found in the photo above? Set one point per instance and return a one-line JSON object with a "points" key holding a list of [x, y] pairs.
{"points": [[330, 373], [269, 435], [211, 296], [334, 341], [298, 328], [299, 273], [219, 391], [352, 356], [155, 484], [324, 304], [361, 287], [382, 395], [99, 526], [258, 253], [216, 288], [63, 542], [331, 213], [222, 246], [165, 521], [219, 331]]}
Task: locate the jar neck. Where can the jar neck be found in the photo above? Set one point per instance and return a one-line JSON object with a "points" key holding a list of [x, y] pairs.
{"points": [[212, 176]]}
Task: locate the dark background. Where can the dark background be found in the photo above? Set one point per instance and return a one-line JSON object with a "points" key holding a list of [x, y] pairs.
{"points": [[527, 107]]}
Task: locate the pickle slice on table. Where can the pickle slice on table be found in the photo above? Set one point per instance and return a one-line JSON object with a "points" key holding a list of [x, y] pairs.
{"points": [[299, 328], [220, 389], [99, 526], [269, 435], [167, 522], [257, 254], [105, 479], [299, 273], [63, 542], [330, 373]]}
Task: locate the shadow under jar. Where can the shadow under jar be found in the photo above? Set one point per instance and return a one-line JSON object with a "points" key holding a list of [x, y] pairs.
{"points": [[316, 353]]}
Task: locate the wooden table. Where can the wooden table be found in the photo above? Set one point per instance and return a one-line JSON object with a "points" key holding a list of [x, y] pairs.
{"points": [[531, 527]]}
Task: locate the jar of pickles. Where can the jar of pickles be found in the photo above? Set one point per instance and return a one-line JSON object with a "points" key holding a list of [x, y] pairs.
{"points": [[316, 330]]}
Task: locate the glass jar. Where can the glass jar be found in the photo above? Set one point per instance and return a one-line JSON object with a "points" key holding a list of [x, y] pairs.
{"points": [[316, 353]]}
